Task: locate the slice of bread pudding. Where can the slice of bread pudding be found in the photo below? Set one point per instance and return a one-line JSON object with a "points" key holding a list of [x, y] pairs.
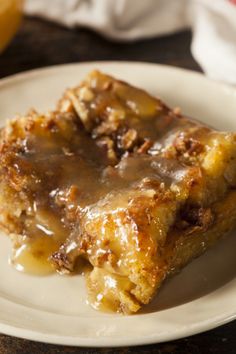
{"points": [[116, 178]]}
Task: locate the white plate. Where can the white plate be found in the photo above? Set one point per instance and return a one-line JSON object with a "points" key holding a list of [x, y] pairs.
{"points": [[53, 309]]}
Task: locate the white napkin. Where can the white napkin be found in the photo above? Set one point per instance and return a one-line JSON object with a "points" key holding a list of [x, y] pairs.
{"points": [[213, 23]]}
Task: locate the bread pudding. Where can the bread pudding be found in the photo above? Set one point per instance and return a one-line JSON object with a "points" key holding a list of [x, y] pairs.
{"points": [[115, 179]]}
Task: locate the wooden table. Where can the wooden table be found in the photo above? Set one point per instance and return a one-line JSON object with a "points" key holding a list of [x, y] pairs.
{"points": [[40, 44]]}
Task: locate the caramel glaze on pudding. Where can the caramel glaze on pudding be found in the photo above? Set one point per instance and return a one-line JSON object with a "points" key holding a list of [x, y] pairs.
{"points": [[116, 178]]}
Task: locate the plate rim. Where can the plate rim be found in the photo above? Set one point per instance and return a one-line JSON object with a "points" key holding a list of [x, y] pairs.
{"points": [[37, 71], [105, 342]]}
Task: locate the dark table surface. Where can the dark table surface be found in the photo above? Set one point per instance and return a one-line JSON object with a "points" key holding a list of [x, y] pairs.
{"points": [[40, 44]]}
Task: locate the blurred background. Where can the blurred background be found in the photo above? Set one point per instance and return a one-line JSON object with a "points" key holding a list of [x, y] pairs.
{"points": [[193, 34], [42, 40]]}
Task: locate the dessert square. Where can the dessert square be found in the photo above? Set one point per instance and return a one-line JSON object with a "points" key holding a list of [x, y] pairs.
{"points": [[115, 179]]}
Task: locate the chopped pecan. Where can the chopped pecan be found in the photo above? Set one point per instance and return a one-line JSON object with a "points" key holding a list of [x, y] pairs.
{"points": [[145, 147], [108, 144], [188, 146], [128, 139]]}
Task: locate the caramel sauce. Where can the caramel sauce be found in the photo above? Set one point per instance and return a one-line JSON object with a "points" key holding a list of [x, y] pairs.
{"points": [[66, 172], [65, 177], [44, 234], [60, 181]]}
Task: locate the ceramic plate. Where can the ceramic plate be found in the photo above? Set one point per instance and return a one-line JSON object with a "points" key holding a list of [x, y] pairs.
{"points": [[53, 309]]}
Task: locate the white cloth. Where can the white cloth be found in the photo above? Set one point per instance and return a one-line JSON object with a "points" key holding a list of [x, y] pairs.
{"points": [[213, 23]]}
